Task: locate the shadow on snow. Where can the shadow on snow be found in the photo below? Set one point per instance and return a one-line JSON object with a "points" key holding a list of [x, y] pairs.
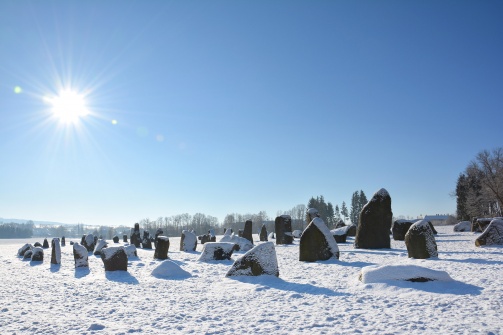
{"points": [[121, 277]]}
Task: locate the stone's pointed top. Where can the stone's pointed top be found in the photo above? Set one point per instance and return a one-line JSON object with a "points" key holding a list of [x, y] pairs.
{"points": [[382, 193]]}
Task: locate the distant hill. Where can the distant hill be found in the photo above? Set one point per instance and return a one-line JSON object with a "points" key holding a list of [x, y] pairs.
{"points": [[37, 223]]}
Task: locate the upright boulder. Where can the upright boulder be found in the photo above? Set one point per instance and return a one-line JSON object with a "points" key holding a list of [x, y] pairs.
{"points": [[115, 239], [100, 245], [80, 255], [283, 229], [493, 234], [89, 242], [263, 234], [131, 250], [420, 241], [340, 234], [217, 251], [317, 243], [462, 226], [375, 222], [114, 258], [213, 237], [135, 235], [63, 241], [261, 260], [45, 245], [400, 228], [55, 251], [124, 238], [188, 241], [146, 241], [37, 254], [161, 252], [247, 232]]}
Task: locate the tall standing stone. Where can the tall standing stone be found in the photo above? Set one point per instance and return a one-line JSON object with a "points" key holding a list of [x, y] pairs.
{"points": [[146, 242], [420, 241], [45, 245], [375, 222], [89, 242], [135, 235], [188, 241], [317, 243], [80, 255], [247, 232], [263, 234], [56, 251], [283, 229]]}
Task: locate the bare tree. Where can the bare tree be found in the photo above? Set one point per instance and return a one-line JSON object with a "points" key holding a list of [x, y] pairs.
{"points": [[490, 167]]}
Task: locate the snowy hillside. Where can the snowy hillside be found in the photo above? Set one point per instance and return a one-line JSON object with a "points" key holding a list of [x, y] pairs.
{"points": [[307, 298]]}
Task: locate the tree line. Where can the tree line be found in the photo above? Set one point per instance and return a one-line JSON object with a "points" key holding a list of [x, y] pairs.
{"points": [[16, 230], [479, 188]]}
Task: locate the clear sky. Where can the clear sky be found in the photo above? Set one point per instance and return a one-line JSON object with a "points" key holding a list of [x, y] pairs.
{"points": [[240, 106]]}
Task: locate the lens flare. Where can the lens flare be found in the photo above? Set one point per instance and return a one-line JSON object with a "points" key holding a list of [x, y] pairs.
{"points": [[68, 106]]}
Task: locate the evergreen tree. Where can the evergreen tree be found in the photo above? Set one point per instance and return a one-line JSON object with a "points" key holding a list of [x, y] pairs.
{"points": [[358, 201], [337, 213], [344, 211], [325, 210]]}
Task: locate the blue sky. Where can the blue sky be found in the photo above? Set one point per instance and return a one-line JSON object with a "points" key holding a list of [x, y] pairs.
{"points": [[236, 107]]}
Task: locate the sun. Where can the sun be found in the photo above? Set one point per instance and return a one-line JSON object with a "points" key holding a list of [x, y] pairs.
{"points": [[68, 106]]}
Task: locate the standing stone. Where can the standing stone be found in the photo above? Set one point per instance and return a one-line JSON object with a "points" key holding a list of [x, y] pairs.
{"points": [[420, 241], [63, 241], [37, 254], [340, 234], [146, 242], [283, 229], [131, 250], [135, 235], [375, 222], [432, 228], [213, 237], [493, 234], [46, 244], [37, 244], [263, 234], [116, 239], [400, 228], [247, 232], [317, 243], [261, 260], [204, 238], [82, 240], [161, 252], [114, 259], [89, 242], [56, 251], [80, 255], [188, 241], [124, 238]]}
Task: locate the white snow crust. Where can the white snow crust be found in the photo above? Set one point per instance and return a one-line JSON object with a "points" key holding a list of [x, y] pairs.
{"points": [[328, 236], [189, 241], [169, 269], [244, 244], [380, 274], [265, 255], [210, 247], [307, 298], [463, 226]]}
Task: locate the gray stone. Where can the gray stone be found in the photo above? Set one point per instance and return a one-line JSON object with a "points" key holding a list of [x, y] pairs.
{"points": [[261, 260], [114, 258], [420, 241], [317, 243], [283, 229], [493, 234]]}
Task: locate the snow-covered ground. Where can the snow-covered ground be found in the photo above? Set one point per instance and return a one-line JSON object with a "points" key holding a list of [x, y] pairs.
{"points": [[307, 298]]}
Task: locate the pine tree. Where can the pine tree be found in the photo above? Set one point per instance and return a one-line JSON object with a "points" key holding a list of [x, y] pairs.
{"points": [[344, 211]]}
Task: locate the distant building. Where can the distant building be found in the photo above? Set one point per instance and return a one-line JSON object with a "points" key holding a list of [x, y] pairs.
{"points": [[437, 220]]}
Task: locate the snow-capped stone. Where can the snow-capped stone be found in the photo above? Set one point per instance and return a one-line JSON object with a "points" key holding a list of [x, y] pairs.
{"points": [[462, 226], [414, 273], [89, 242], [114, 258], [340, 234], [80, 254], [375, 222], [243, 243], [283, 229], [37, 254], [217, 251], [130, 250], [188, 241], [169, 269], [400, 228], [261, 260], [56, 251], [100, 245], [493, 234], [317, 243], [420, 241], [297, 233], [161, 252], [23, 249]]}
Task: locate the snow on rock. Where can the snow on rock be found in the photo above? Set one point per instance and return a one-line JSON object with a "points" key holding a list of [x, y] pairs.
{"points": [[297, 233], [80, 254], [188, 241], [114, 258], [130, 250], [317, 243], [261, 260], [217, 251], [23, 249], [493, 234], [243, 243], [37, 254], [100, 245], [420, 241], [162, 248], [169, 269], [386, 273], [463, 226], [89, 242]]}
